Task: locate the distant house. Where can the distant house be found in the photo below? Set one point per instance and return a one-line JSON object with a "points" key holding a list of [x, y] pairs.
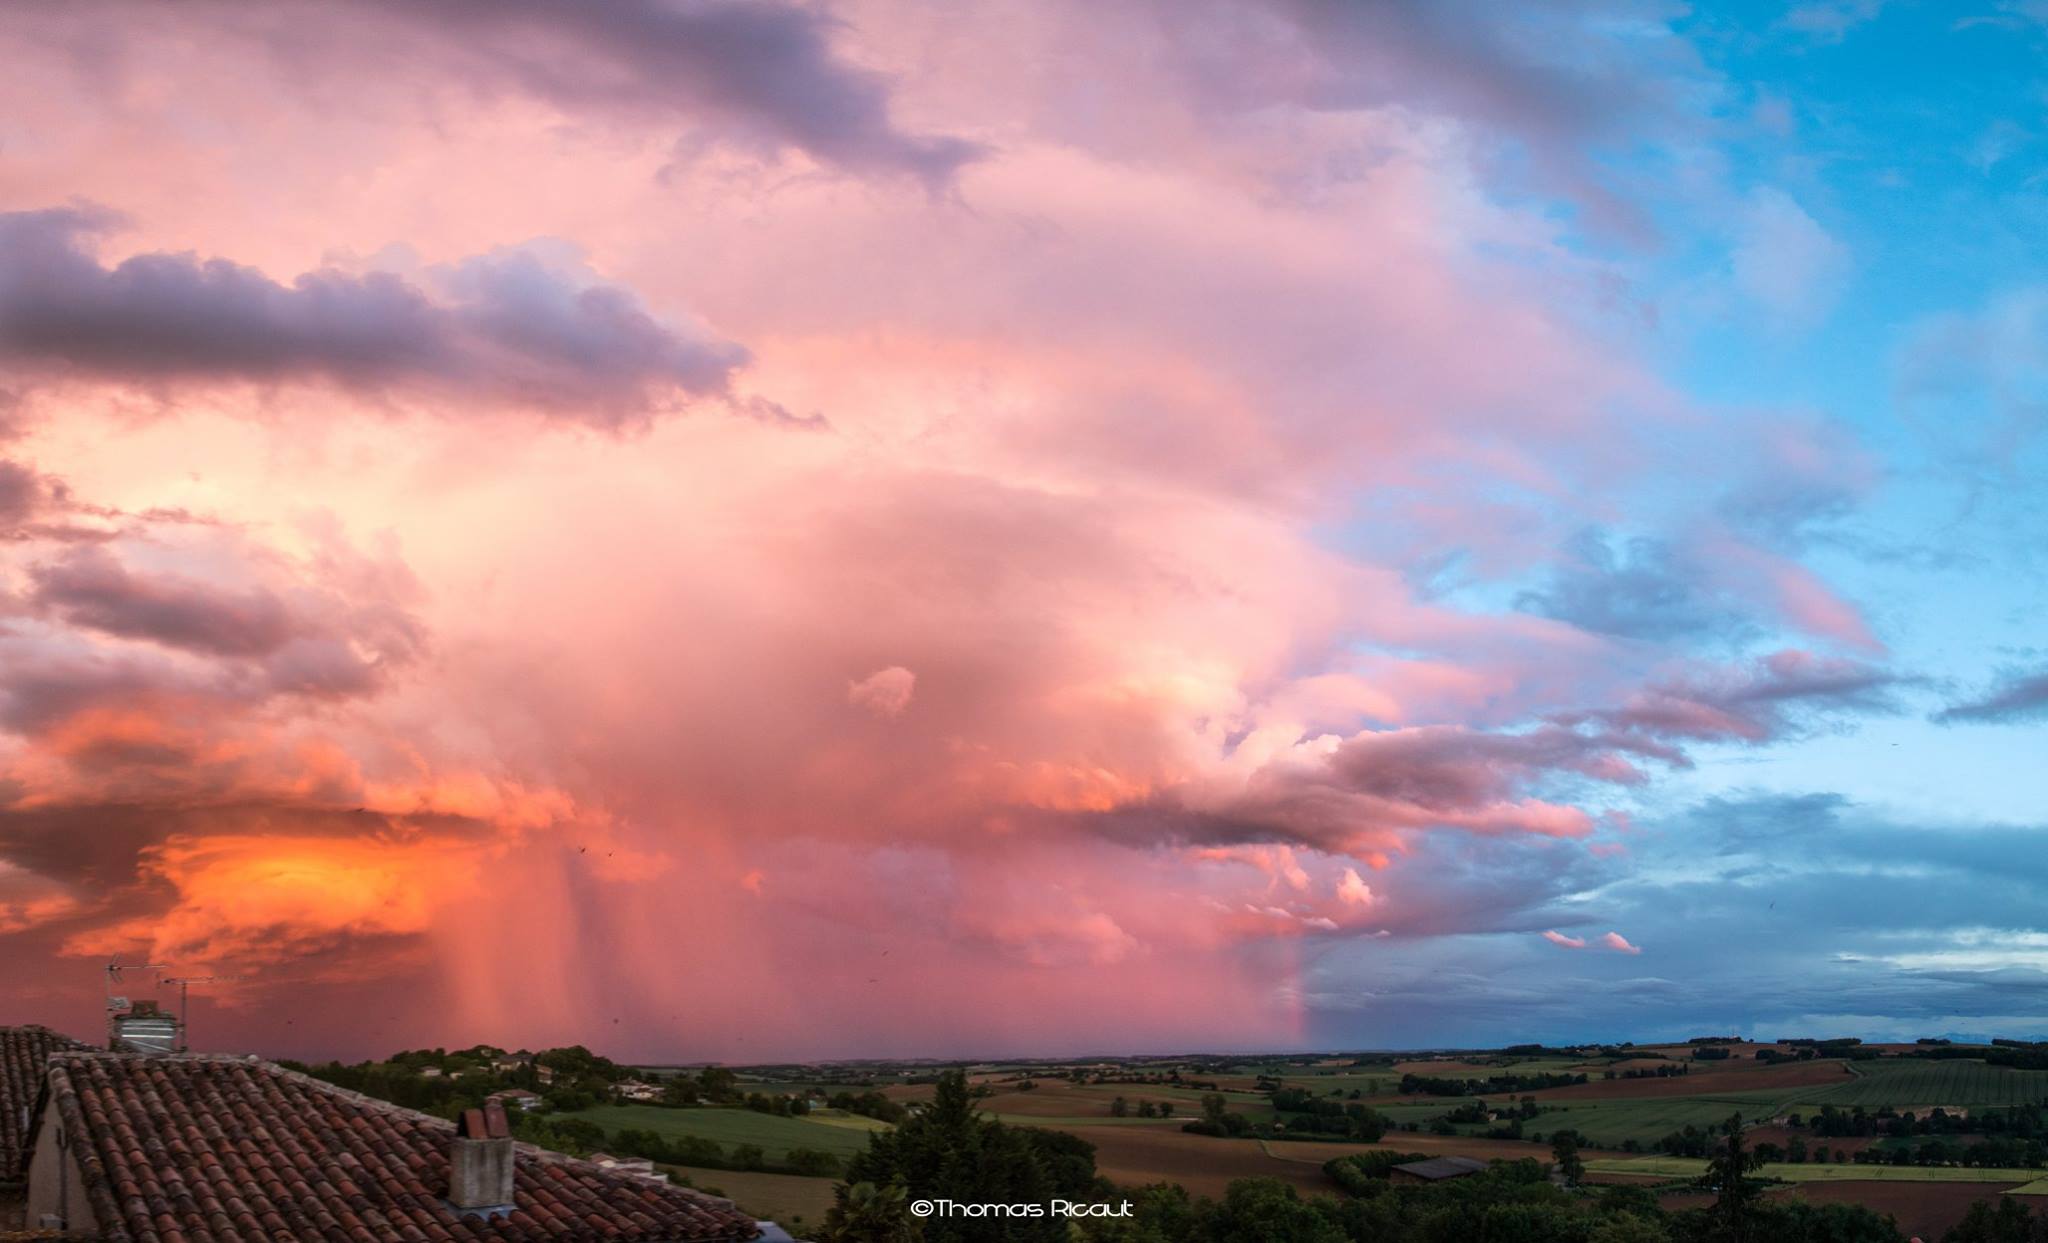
{"points": [[639, 1167], [342, 1165], [1435, 1170], [430, 1072], [638, 1090], [517, 1096], [546, 1074]]}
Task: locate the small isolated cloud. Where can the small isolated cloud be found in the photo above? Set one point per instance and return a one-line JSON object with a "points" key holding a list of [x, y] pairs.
{"points": [[1784, 260], [1619, 944], [1353, 889], [1829, 21], [1558, 938], [2020, 697], [885, 692]]}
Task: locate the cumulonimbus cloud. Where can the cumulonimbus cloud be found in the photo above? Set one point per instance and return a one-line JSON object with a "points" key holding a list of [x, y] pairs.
{"points": [[520, 327]]}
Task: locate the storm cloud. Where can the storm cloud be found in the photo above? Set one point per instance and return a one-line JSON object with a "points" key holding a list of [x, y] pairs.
{"points": [[515, 327]]}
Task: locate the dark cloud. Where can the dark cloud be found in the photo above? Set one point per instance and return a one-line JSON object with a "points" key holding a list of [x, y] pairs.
{"points": [[149, 643], [505, 328], [1641, 589], [751, 73], [766, 70], [1558, 69], [2021, 697], [1847, 924], [24, 492], [1550, 83], [89, 587], [1373, 790], [1764, 702]]}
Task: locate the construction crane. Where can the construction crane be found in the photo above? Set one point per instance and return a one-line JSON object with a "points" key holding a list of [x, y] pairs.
{"points": [[185, 984]]}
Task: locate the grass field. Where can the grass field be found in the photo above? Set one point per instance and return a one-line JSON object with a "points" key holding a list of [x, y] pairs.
{"points": [[776, 1136], [839, 1117], [1367, 1083], [1912, 1081], [1061, 1124], [1690, 1167], [1609, 1124], [1054, 1103], [794, 1202]]}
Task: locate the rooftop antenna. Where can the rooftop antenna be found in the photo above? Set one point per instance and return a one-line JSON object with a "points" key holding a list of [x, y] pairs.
{"points": [[115, 1002], [135, 1026], [185, 984]]}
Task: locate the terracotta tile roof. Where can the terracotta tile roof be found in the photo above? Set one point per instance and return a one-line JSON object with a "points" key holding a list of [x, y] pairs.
{"points": [[22, 1053], [192, 1149]]}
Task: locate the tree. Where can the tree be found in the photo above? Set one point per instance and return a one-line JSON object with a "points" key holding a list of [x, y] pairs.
{"points": [[811, 1161], [1273, 1212], [951, 1151], [1629, 1228], [865, 1213], [2007, 1222], [1119, 1108], [716, 1083], [1565, 1147], [1728, 1176]]}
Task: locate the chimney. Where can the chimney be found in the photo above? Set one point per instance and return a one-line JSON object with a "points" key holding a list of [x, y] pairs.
{"points": [[480, 1164]]}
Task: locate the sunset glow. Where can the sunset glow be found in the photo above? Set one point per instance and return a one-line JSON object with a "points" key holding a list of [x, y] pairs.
{"points": [[772, 530]]}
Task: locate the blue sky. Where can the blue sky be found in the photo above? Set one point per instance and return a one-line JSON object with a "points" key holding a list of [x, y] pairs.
{"points": [[1849, 228]]}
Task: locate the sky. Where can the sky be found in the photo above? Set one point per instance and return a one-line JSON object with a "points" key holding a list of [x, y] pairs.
{"points": [[858, 528]]}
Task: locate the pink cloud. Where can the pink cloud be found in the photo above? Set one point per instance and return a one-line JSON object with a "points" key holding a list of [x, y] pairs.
{"points": [[1619, 944], [1558, 938], [885, 692], [467, 723]]}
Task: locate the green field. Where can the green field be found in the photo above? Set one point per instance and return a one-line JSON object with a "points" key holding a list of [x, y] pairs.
{"points": [[1042, 1120], [1902, 1084], [1609, 1124], [1689, 1167], [1421, 1115], [840, 1117], [1187, 1102], [1365, 1083], [1914, 1081], [1521, 1066], [795, 1202], [776, 1136]]}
